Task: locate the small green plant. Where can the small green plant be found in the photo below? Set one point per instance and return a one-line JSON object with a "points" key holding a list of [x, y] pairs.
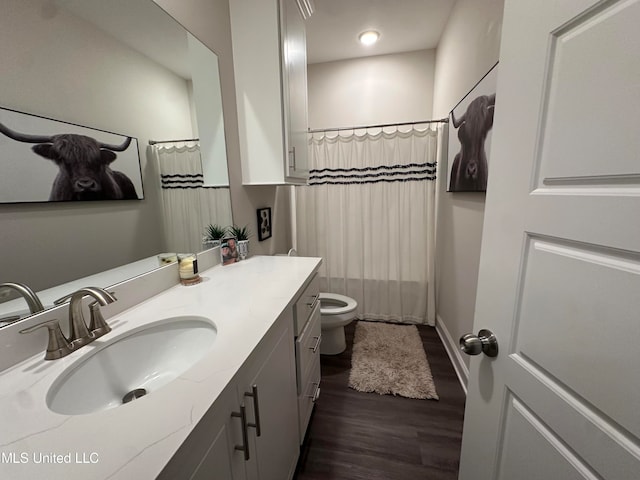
{"points": [[241, 233], [215, 232]]}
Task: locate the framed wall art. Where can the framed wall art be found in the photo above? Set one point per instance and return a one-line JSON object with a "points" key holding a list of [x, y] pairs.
{"points": [[470, 124], [46, 160], [264, 223]]}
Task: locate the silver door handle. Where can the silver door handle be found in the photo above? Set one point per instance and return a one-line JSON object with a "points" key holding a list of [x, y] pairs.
{"points": [[292, 157], [485, 342]]}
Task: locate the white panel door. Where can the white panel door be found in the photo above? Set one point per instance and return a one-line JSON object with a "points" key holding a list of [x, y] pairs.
{"points": [[559, 281]]}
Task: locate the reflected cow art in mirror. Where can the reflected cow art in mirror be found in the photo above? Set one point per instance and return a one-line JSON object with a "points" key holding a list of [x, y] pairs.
{"points": [[118, 66], [83, 162]]}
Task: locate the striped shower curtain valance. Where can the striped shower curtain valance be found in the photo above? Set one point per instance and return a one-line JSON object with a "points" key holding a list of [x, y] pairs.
{"points": [[389, 174]]}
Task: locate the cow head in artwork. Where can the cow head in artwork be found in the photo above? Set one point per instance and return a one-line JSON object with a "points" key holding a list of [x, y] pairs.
{"points": [[84, 171]]}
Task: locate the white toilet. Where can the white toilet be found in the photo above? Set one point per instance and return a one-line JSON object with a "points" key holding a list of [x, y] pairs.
{"points": [[336, 311]]}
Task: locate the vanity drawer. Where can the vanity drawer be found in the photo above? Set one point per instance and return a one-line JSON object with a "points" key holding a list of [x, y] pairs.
{"points": [[308, 346], [308, 397], [306, 303]]}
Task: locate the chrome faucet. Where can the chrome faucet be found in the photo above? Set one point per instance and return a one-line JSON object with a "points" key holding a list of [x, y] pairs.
{"points": [[79, 335], [34, 303]]}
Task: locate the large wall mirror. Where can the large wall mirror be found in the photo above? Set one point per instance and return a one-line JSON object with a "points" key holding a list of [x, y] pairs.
{"points": [[127, 67]]}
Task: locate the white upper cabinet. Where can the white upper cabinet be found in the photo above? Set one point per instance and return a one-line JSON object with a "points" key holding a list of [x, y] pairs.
{"points": [[270, 64]]}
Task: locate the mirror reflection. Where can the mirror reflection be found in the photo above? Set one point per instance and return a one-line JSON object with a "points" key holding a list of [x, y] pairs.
{"points": [[122, 66]]}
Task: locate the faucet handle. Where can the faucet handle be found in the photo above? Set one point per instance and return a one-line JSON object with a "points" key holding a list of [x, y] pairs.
{"points": [[61, 300], [58, 346], [98, 325]]}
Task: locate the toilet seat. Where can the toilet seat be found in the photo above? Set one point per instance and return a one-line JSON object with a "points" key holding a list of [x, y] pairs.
{"points": [[339, 304], [337, 310]]}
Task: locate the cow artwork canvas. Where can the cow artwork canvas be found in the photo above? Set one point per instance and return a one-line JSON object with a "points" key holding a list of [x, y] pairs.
{"points": [[45, 160], [470, 124]]}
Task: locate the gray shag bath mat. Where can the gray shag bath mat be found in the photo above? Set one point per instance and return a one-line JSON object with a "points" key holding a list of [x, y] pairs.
{"points": [[390, 359]]}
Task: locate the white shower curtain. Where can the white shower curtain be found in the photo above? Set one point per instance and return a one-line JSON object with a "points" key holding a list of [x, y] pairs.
{"points": [[188, 206], [369, 211]]}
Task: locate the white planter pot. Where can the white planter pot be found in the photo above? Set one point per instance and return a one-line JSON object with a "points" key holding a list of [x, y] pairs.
{"points": [[207, 244], [243, 249]]}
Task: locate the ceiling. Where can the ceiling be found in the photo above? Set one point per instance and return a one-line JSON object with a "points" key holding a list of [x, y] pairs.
{"points": [[404, 26]]}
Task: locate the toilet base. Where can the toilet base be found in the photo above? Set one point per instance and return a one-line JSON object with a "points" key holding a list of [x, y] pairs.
{"points": [[333, 341]]}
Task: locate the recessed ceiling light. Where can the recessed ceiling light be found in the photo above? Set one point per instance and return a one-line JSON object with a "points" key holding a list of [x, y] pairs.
{"points": [[369, 37]]}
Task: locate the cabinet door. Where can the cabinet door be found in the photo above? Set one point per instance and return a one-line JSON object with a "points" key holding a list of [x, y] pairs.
{"points": [[209, 452], [294, 58], [271, 374], [222, 461]]}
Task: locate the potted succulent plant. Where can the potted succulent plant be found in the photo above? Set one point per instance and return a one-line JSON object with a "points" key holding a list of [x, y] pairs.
{"points": [[212, 235], [242, 234]]}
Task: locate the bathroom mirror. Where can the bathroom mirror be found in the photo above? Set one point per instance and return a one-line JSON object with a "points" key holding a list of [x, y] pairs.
{"points": [[122, 66]]}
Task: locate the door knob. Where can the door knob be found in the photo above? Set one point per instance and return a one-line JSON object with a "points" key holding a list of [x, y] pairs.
{"points": [[485, 342]]}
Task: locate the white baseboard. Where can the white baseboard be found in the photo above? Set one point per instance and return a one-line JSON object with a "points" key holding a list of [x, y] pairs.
{"points": [[455, 355]]}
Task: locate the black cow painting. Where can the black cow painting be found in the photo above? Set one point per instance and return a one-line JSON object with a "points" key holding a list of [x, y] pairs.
{"points": [[470, 125], [44, 160]]}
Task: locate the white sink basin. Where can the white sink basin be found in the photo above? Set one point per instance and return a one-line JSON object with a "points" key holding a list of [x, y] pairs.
{"points": [[145, 358]]}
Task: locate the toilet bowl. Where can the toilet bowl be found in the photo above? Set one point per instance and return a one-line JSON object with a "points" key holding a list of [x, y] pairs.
{"points": [[336, 311]]}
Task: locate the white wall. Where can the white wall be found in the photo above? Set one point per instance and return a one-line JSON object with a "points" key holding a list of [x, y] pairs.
{"points": [[469, 47], [104, 85], [371, 90]]}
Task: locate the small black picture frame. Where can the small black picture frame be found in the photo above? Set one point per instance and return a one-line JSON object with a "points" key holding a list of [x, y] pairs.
{"points": [[264, 223]]}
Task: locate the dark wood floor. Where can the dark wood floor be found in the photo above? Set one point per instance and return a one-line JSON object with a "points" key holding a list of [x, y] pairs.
{"points": [[355, 435]]}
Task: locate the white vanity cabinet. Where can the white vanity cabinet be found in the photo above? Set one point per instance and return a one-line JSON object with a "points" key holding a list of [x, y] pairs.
{"points": [[209, 452], [267, 386], [251, 431], [270, 63], [308, 338], [203, 423]]}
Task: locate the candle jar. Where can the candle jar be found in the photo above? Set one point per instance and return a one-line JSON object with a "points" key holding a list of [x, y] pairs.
{"points": [[188, 268]]}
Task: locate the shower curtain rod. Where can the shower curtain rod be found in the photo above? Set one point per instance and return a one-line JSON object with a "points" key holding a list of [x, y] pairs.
{"points": [[153, 142], [339, 129]]}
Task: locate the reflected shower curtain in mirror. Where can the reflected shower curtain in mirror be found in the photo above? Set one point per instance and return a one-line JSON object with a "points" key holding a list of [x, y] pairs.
{"points": [[369, 210], [188, 206]]}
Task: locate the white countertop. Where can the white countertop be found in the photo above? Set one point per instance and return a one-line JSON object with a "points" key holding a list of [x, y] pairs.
{"points": [[136, 440]]}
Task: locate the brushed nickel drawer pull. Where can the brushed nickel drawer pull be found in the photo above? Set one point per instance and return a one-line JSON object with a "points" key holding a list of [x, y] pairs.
{"points": [[314, 301], [316, 393], [242, 415], [315, 347], [256, 410]]}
